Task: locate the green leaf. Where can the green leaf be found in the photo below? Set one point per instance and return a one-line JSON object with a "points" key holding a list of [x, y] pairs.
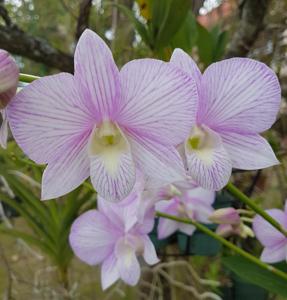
{"points": [[205, 44], [169, 16], [252, 273], [220, 45], [186, 37]]}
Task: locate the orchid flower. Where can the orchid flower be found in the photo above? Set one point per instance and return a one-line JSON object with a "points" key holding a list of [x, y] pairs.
{"points": [[114, 236], [194, 203], [9, 75], [104, 123], [274, 242], [238, 99]]}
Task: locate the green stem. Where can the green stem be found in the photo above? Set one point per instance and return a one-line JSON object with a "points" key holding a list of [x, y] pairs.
{"points": [[27, 78], [226, 243], [243, 198]]}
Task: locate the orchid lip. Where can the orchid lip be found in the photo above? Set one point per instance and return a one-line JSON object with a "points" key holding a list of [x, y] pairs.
{"points": [[108, 141]]}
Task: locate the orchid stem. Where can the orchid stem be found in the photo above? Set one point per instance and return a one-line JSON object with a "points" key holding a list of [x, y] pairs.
{"points": [[243, 198], [27, 78], [226, 243]]}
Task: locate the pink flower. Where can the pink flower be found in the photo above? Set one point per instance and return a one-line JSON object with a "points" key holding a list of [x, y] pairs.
{"points": [[274, 242], [194, 203], [105, 123], [238, 99], [9, 75], [114, 236]]}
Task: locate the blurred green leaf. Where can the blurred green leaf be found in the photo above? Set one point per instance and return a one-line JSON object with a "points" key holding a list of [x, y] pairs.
{"points": [[205, 44], [168, 16], [186, 37], [252, 273]]}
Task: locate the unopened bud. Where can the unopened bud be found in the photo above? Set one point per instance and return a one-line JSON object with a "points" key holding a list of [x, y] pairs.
{"points": [[225, 230], [225, 216], [9, 75]]}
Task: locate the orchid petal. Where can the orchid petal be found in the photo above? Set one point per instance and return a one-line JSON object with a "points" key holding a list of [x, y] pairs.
{"points": [[128, 265], [160, 101], [182, 60], [275, 253], [186, 228], [92, 237], [97, 77], [109, 272], [149, 253], [209, 166], [236, 95], [68, 172], [265, 232], [248, 152], [161, 164], [45, 120]]}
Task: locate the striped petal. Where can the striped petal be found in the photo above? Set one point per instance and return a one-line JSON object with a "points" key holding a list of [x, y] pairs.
{"points": [[92, 238], [160, 101], [45, 119], [182, 60], [161, 164], [248, 151], [68, 172], [208, 162], [109, 272], [113, 172], [236, 95], [97, 76]]}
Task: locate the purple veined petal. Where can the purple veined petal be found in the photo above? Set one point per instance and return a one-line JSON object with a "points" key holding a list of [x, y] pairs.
{"points": [[200, 194], [267, 235], [93, 238], [208, 162], [45, 120], [201, 211], [4, 129], [161, 164], [236, 94], [68, 172], [123, 213], [248, 151], [149, 253], [160, 101], [109, 271], [182, 60], [186, 228], [97, 76], [275, 253], [167, 227], [127, 263], [113, 171], [9, 75]]}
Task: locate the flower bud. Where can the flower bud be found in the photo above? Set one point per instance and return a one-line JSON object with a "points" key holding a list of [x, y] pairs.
{"points": [[245, 231], [225, 230], [9, 75], [225, 216]]}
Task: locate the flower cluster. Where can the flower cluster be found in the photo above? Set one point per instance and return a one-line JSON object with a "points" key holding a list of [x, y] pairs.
{"points": [[133, 131]]}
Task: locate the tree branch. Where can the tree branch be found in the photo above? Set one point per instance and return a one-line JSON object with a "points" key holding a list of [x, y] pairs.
{"points": [[18, 42], [84, 17], [251, 14]]}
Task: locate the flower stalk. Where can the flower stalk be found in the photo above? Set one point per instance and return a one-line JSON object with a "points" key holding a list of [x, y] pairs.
{"points": [[246, 200], [226, 243], [27, 78]]}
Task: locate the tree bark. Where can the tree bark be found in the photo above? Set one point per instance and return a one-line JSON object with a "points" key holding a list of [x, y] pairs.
{"points": [[84, 17], [251, 14]]}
